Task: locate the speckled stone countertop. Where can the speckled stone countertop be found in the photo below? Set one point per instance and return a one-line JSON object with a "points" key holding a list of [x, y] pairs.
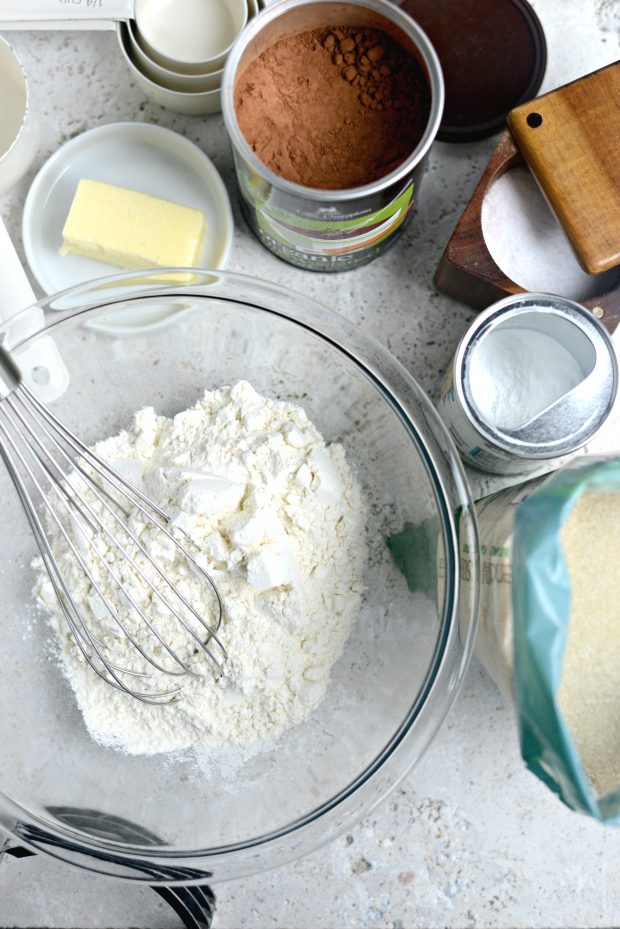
{"points": [[469, 838]]}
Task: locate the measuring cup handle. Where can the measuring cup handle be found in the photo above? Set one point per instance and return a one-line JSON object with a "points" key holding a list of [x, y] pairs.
{"points": [[25, 11]]}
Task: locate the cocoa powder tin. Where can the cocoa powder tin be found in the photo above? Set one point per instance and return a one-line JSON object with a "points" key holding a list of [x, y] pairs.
{"points": [[311, 227]]}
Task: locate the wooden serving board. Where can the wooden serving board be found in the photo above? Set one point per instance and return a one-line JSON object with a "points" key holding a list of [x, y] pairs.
{"points": [[467, 270], [570, 139]]}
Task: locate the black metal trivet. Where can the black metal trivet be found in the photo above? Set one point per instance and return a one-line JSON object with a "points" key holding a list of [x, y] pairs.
{"points": [[194, 905]]}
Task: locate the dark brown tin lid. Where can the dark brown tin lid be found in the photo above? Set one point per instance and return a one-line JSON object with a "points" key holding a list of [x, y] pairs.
{"points": [[493, 55]]}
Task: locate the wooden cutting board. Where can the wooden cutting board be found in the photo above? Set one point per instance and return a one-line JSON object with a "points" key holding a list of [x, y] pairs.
{"points": [[570, 139]]}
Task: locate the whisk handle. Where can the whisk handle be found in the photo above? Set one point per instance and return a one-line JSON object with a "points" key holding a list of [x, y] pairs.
{"points": [[10, 375]]}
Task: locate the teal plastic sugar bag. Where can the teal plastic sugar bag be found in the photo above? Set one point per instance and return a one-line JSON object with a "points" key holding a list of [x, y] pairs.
{"points": [[542, 599], [525, 617]]}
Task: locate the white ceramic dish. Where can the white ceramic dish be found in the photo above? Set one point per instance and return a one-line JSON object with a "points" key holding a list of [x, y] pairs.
{"points": [[189, 103], [174, 80], [219, 22], [136, 155], [165, 77], [191, 94]]}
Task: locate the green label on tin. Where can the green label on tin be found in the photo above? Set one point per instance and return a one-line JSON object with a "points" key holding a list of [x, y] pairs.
{"points": [[324, 235]]}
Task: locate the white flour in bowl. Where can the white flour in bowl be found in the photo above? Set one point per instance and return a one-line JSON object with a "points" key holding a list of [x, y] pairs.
{"points": [[280, 521]]}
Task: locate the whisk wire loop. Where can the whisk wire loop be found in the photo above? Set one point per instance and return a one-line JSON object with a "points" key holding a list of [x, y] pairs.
{"points": [[75, 513], [64, 595], [46, 463], [130, 492], [103, 529]]}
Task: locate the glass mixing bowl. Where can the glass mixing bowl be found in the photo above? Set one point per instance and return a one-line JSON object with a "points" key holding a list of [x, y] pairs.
{"points": [[129, 342]]}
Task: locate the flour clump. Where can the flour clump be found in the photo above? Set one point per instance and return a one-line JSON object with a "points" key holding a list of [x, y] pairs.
{"points": [[279, 520]]}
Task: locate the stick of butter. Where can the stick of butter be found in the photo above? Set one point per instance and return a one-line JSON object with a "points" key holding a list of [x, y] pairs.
{"points": [[131, 229]]}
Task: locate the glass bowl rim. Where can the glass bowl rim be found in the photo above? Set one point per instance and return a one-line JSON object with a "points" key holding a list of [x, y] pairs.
{"points": [[143, 285]]}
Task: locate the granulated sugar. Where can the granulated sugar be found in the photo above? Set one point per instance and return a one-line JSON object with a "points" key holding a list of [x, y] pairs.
{"points": [[589, 693]]}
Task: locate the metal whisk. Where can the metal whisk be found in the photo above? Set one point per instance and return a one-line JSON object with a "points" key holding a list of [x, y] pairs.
{"points": [[68, 492]]}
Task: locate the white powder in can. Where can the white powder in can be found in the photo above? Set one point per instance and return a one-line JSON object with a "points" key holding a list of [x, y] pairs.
{"points": [[515, 374], [589, 692]]}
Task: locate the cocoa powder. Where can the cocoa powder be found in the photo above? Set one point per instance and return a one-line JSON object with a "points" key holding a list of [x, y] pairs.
{"points": [[333, 108]]}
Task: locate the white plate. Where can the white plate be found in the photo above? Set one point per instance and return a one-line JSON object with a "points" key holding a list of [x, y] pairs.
{"points": [[136, 155]]}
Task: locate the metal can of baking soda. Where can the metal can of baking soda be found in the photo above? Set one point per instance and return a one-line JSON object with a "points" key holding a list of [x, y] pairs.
{"points": [[533, 379], [319, 226]]}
